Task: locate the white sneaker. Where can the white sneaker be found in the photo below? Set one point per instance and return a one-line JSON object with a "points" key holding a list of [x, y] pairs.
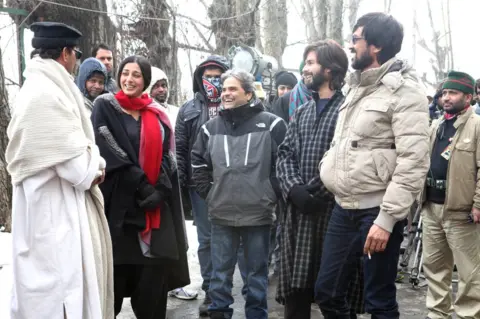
{"points": [[183, 294]]}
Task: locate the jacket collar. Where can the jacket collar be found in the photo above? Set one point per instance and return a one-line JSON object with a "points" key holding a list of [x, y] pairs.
{"points": [[375, 75], [463, 117], [337, 94], [242, 113]]}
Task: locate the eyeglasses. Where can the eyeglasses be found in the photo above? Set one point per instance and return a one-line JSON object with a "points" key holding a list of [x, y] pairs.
{"points": [[78, 53], [355, 38]]}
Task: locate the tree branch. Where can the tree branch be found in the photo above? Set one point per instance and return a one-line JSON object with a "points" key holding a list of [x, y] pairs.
{"points": [[194, 20], [12, 82], [195, 48], [204, 4], [200, 33]]}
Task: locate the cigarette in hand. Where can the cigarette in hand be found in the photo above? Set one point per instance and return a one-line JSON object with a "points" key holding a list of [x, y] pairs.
{"points": [[369, 256]]}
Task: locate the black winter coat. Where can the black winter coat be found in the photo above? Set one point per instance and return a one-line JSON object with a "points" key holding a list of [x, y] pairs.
{"points": [[191, 116], [120, 191], [281, 106]]}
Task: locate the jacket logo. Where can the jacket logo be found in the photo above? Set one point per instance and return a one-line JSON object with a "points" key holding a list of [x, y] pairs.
{"points": [[262, 125]]}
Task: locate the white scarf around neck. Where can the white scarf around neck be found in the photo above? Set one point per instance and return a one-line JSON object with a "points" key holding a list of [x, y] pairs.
{"points": [[49, 123]]}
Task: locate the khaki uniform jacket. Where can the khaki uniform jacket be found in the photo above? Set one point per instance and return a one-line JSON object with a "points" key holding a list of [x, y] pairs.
{"points": [[379, 154], [463, 179]]}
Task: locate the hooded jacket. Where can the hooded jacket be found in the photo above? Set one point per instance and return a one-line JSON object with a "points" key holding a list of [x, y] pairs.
{"points": [[235, 153], [111, 85], [191, 116], [379, 153], [171, 110], [85, 72]]}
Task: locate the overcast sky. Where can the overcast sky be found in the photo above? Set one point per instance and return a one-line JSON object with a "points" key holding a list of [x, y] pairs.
{"points": [[464, 14]]}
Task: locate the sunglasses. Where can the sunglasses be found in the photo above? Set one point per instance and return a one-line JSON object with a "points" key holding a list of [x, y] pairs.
{"points": [[355, 39], [78, 53]]}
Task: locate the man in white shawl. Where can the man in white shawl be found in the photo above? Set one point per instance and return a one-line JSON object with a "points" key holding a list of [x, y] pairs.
{"points": [[62, 255]]}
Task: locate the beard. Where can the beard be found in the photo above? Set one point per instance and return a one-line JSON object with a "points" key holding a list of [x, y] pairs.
{"points": [[318, 79], [456, 107], [362, 62], [160, 98]]}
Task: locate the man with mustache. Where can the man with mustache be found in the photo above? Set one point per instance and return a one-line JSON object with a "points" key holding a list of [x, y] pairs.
{"points": [[375, 167], [452, 193], [309, 203]]}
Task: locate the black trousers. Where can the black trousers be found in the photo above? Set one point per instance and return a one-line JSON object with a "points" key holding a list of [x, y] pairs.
{"points": [[146, 285], [298, 306]]}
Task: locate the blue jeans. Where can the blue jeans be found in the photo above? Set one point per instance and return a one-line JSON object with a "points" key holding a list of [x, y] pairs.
{"points": [[200, 215], [274, 253], [343, 245], [225, 244]]}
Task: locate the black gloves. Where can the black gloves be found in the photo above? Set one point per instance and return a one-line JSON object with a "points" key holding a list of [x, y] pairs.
{"points": [[150, 197], [303, 200], [152, 202]]}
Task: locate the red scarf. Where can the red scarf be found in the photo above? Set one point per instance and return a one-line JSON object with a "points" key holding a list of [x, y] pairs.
{"points": [[151, 148], [451, 116]]}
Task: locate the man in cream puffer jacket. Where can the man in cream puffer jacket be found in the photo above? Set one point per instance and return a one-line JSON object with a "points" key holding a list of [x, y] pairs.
{"points": [[376, 167]]}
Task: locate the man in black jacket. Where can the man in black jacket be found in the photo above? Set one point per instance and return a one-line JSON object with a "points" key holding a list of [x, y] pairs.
{"points": [[191, 116], [233, 163]]}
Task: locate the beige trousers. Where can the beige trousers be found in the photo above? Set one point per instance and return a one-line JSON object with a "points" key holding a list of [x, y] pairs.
{"points": [[448, 239]]}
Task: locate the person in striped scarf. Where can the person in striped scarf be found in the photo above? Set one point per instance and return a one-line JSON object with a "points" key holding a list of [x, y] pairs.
{"points": [[286, 105]]}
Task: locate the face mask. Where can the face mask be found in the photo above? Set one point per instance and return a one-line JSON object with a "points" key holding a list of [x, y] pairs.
{"points": [[213, 88]]}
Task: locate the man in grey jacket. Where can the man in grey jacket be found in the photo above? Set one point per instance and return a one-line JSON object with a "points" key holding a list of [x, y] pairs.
{"points": [[233, 161]]}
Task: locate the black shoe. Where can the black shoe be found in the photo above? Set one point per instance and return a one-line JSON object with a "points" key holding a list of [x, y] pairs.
{"points": [[203, 309], [217, 315]]}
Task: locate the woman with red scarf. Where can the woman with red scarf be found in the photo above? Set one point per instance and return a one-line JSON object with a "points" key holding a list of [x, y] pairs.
{"points": [[141, 191]]}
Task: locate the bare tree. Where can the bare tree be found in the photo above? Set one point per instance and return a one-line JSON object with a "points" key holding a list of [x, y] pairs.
{"points": [[322, 11], [276, 29], [335, 20], [323, 19], [159, 46], [233, 23], [353, 7], [95, 27], [387, 6], [440, 46], [5, 182]]}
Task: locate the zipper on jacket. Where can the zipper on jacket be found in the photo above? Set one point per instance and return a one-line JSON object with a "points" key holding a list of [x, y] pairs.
{"points": [[225, 148], [248, 147]]}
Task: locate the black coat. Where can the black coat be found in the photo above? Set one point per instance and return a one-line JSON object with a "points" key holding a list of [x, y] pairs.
{"points": [[123, 177], [281, 106], [191, 116]]}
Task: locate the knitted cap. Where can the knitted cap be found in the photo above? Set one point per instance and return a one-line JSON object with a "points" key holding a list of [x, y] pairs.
{"points": [[459, 81], [285, 78]]}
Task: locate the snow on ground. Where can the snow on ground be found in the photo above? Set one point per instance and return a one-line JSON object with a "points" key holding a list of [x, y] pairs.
{"points": [[6, 275]]}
